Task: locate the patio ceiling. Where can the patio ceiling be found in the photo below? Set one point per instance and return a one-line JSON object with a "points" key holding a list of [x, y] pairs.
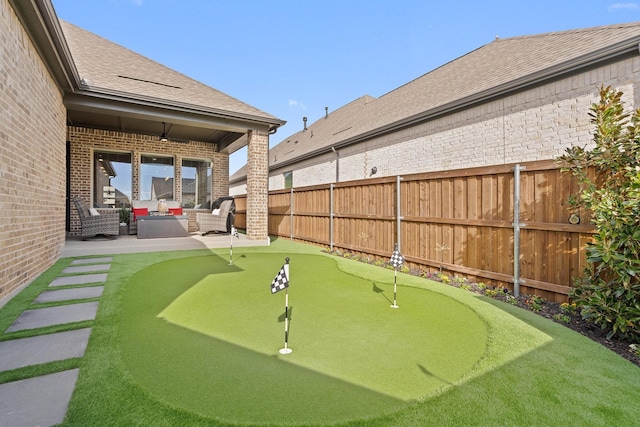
{"points": [[181, 125]]}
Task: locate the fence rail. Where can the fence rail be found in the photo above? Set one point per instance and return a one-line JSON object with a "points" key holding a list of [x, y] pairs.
{"points": [[465, 222]]}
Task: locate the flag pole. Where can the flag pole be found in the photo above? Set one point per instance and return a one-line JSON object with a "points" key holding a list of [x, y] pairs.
{"points": [[396, 261], [234, 232], [231, 247], [286, 349], [395, 275]]}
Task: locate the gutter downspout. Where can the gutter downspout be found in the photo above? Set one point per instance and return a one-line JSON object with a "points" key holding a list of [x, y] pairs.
{"points": [[337, 163]]}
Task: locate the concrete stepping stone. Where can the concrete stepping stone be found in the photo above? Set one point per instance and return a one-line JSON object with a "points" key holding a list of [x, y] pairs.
{"points": [[43, 349], [86, 268], [41, 317], [70, 294], [83, 279], [40, 401], [91, 260]]}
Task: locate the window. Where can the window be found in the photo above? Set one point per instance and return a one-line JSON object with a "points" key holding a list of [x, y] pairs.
{"points": [[196, 183], [156, 178], [111, 179], [288, 180]]}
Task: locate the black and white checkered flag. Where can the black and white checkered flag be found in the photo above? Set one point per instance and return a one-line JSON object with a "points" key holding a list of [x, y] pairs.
{"points": [[234, 232], [396, 259], [281, 281]]}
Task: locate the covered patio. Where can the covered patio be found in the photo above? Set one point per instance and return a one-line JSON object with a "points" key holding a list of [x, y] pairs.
{"points": [[139, 131]]}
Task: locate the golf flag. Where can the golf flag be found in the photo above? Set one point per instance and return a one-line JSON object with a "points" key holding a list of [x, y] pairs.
{"points": [[281, 281], [234, 232], [396, 258]]}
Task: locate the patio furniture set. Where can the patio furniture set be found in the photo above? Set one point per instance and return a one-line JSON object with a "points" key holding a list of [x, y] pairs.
{"points": [[153, 219]]}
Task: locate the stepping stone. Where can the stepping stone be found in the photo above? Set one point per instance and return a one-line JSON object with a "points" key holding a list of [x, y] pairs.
{"points": [[39, 401], [86, 268], [83, 279], [69, 294], [91, 260], [43, 349], [41, 317]]}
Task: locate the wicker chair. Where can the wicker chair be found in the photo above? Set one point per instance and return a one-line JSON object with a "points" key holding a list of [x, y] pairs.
{"points": [[208, 222], [105, 224]]}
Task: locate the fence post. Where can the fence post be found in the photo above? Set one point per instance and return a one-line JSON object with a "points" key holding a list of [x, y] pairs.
{"points": [[516, 228], [291, 215], [331, 217], [398, 217]]}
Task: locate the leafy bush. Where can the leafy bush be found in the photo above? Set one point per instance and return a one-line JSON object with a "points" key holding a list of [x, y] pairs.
{"points": [[534, 302], [609, 175], [561, 318]]}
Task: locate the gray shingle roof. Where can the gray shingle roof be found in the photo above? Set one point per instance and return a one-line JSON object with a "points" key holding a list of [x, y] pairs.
{"points": [[106, 66], [497, 67]]}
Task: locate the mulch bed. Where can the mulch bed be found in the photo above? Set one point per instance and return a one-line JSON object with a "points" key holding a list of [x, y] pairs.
{"points": [[589, 330]]}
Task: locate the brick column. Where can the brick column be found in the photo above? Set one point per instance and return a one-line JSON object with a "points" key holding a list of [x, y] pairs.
{"points": [[220, 176], [257, 185]]}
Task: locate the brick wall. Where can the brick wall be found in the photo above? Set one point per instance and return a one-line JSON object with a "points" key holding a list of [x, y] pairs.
{"points": [[32, 160], [84, 142], [536, 124], [257, 185]]}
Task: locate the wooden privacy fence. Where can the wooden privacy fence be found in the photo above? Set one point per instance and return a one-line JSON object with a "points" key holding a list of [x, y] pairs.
{"points": [[469, 222]]}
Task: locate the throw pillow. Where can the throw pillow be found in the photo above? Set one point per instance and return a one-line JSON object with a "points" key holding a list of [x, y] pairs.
{"points": [[140, 212], [175, 211], [215, 212], [94, 212]]}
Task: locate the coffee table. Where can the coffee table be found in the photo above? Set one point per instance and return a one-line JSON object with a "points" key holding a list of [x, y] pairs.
{"points": [[150, 227]]}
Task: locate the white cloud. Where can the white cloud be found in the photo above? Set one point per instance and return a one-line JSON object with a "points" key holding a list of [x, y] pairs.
{"points": [[295, 104], [618, 6]]}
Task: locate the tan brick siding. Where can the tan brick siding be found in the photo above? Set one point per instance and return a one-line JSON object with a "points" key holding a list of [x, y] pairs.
{"points": [[257, 185], [32, 160], [84, 142], [535, 124]]}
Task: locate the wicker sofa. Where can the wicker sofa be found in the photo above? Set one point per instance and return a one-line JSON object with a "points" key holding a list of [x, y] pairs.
{"points": [[216, 220], [96, 223]]}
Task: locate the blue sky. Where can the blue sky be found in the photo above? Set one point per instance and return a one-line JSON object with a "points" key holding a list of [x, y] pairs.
{"points": [[293, 58]]}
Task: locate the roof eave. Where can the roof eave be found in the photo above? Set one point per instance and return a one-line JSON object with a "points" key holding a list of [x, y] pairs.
{"points": [[97, 96], [39, 19]]}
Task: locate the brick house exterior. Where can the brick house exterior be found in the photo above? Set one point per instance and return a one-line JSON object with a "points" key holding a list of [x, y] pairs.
{"points": [[513, 100], [32, 158], [66, 94]]}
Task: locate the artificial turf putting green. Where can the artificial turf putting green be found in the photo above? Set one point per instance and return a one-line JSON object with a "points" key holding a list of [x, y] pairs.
{"points": [[204, 335]]}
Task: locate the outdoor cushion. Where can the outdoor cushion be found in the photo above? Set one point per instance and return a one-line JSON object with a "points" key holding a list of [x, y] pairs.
{"points": [[94, 212], [140, 212], [175, 211], [215, 212]]}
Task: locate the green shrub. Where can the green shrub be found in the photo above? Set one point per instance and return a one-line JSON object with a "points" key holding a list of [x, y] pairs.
{"points": [[535, 303], [561, 318], [609, 176]]}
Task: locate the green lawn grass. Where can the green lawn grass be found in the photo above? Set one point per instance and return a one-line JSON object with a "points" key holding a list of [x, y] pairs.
{"points": [[184, 338], [216, 330]]}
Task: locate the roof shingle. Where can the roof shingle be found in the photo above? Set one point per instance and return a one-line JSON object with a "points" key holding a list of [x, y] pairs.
{"points": [[104, 65]]}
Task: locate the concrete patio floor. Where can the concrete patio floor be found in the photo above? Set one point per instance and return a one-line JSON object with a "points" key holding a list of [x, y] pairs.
{"points": [[75, 246]]}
